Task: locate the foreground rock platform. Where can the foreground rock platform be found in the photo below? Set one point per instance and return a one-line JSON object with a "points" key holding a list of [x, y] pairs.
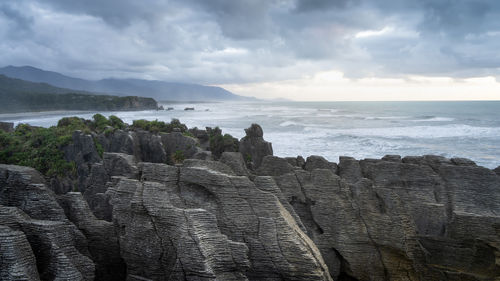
{"points": [[410, 218]]}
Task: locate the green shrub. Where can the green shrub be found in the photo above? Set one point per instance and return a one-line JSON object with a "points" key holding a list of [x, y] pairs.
{"points": [[116, 122], [156, 126], [39, 148], [99, 148], [178, 156], [100, 122]]}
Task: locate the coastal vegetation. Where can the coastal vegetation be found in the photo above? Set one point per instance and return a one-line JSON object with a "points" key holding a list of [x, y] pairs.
{"points": [[156, 126], [42, 148]]}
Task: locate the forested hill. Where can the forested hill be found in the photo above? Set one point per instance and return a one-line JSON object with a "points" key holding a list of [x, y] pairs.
{"points": [[17, 95]]}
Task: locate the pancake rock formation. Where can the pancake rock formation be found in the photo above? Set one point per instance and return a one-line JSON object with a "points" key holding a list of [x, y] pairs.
{"points": [[135, 214]]}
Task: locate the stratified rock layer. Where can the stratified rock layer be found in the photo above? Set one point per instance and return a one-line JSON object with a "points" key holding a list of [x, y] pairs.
{"points": [[416, 218], [248, 216]]}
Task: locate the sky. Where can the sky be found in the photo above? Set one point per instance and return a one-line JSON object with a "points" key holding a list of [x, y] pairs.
{"points": [[293, 49]]}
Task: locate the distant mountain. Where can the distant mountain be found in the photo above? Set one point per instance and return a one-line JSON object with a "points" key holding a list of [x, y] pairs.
{"points": [[18, 95], [159, 90], [10, 85]]}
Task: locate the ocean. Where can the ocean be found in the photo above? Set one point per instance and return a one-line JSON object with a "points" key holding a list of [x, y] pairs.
{"points": [[469, 129]]}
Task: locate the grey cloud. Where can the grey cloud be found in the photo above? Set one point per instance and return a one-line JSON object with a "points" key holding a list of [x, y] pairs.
{"points": [[321, 5], [224, 41], [118, 13], [23, 22]]}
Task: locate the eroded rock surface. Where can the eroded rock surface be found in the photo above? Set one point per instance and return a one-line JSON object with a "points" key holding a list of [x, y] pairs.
{"points": [[416, 218], [253, 147], [411, 218]]}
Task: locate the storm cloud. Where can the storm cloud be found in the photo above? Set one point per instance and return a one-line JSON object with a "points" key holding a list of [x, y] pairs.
{"points": [[252, 41]]}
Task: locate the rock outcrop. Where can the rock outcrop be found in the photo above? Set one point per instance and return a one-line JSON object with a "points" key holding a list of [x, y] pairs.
{"points": [[411, 218], [253, 146], [416, 218]]}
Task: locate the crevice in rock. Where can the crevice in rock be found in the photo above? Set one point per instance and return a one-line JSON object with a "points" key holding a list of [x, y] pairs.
{"points": [[345, 268], [357, 208]]}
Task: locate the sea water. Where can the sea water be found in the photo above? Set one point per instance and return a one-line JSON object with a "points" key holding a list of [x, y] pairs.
{"points": [[331, 129]]}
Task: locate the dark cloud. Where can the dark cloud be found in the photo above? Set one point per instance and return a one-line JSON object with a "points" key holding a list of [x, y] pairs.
{"points": [[321, 5], [223, 41]]}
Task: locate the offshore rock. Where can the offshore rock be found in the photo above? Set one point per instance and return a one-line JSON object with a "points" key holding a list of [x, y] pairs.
{"points": [[254, 147]]}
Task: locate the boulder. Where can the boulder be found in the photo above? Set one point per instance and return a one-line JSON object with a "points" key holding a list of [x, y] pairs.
{"points": [[253, 146]]}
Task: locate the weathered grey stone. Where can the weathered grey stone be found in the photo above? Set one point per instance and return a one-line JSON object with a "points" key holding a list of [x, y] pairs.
{"points": [[27, 205], [17, 262], [203, 155], [102, 239], [206, 211], [177, 142], [349, 169], [274, 166], [158, 172], [497, 170], [318, 162], [24, 187], [119, 164], [122, 142], [83, 152], [463, 162], [149, 147], [7, 127], [202, 136], [392, 158], [235, 161], [254, 147], [59, 247]]}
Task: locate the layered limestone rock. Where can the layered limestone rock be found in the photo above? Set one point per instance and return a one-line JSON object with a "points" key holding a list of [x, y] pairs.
{"points": [[17, 261], [416, 218], [411, 218], [27, 205], [210, 224]]}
